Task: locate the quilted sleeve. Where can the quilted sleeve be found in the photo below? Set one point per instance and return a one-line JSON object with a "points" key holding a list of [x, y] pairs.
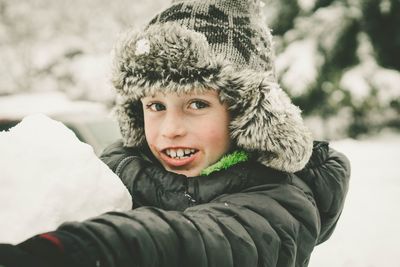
{"points": [[271, 225], [327, 174]]}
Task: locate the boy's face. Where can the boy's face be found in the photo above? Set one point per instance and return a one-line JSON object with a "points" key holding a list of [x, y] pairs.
{"points": [[187, 132]]}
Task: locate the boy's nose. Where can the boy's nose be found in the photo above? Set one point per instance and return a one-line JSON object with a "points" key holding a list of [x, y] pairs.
{"points": [[173, 125]]}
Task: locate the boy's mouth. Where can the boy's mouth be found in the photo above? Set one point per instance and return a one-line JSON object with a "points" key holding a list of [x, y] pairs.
{"points": [[180, 153], [178, 156]]}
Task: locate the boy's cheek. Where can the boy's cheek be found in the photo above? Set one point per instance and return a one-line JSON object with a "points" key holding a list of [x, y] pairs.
{"points": [[153, 150]]}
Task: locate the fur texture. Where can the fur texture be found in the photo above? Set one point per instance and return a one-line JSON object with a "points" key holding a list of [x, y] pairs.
{"points": [[178, 60]]}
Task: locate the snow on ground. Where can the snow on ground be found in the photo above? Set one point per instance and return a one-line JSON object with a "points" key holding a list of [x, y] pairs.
{"points": [[48, 177], [368, 233]]}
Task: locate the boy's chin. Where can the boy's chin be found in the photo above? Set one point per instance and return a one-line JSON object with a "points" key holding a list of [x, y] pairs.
{"points": [[189, 173]]}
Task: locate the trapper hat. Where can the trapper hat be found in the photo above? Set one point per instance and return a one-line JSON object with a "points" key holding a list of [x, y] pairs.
{"points": [[221, 45]]}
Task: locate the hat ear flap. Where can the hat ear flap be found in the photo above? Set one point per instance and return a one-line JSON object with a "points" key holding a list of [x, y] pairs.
{"points": [[131, 122], [270, 125]]}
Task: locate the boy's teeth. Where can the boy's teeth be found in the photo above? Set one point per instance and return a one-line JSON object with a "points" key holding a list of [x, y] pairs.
{"points": [[180, 153]]}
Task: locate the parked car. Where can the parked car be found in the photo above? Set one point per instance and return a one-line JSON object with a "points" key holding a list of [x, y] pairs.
{"points": [[91, 122]]}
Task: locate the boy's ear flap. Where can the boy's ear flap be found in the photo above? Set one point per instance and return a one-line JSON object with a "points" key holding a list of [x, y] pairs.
{"points": [[131, 122], [268, 124]]}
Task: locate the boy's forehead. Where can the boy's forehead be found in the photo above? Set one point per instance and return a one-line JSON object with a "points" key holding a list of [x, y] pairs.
{"points": [[163, 94]]}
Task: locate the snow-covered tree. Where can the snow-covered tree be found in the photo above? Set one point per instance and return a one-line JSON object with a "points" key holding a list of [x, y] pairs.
{"points": [[339, 60], [64, 45]]}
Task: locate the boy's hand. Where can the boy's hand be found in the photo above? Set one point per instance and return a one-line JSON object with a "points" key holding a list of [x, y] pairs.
{"points": [[34, 252], [13, 256]]}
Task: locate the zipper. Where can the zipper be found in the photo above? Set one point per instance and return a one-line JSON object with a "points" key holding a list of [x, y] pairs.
{"points": [[192, 201]]}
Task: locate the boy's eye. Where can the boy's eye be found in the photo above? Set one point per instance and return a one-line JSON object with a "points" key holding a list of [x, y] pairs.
{"points": [[198, 104], [155, 106]]}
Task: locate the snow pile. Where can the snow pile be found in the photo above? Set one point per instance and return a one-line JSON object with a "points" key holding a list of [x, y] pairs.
{"points": [[48, 177], [367, 233]]}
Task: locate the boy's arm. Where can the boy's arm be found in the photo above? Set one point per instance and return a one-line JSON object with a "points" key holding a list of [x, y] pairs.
{"points": [[327, 174], [271, 225], [151, 185]]}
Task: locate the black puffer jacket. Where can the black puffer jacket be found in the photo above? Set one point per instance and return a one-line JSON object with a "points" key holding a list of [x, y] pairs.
{"points": [[247, 215], [326, 174]]}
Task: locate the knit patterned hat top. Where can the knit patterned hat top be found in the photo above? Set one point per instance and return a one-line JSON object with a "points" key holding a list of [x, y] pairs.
{"points": [[221, 45]]}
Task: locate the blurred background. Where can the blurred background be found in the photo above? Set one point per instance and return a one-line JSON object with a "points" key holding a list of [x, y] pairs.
{"points": [[339, 60]]}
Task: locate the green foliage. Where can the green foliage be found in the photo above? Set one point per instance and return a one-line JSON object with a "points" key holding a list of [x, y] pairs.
{"points": [[286, 12], [344, 53], [322, 3], [381, 21]]}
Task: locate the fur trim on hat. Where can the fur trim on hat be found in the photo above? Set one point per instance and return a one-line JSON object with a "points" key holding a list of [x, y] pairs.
{"points": [[169, 58]]}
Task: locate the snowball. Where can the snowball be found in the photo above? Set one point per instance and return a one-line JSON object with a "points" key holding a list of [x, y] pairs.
{"points": [[49, 177]]}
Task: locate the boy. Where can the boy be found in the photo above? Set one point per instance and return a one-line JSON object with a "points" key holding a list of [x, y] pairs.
{"points": [[198, 99]]}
